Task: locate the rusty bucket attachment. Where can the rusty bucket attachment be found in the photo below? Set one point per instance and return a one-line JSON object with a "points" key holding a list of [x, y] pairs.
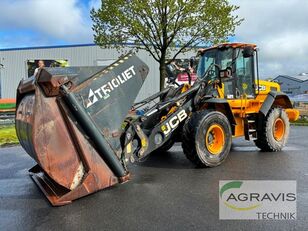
{"points": [[69, 121]]}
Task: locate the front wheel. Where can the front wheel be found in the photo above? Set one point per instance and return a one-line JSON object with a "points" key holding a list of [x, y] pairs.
{"points": [[207, 138], [273, 132]]}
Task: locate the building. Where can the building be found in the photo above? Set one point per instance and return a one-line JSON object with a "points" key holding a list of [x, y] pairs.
{"points": [[293, 85], [14, 64]]}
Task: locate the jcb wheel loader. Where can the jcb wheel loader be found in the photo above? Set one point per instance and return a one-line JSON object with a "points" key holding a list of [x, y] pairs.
{"points": [[82, 127]]}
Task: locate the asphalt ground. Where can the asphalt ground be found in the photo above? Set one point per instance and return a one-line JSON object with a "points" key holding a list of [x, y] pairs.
{"points": [[166, 193]]}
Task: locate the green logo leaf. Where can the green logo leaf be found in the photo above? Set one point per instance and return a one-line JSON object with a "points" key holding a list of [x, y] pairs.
{"points": [[231, 185], [227, 186]]}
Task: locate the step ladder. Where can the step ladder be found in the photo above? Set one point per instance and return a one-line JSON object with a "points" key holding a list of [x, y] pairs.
{"points": [[250, 129]]}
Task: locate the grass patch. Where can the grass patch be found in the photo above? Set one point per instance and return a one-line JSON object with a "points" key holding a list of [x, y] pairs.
{"points": [[300, 122], [8, 135]]}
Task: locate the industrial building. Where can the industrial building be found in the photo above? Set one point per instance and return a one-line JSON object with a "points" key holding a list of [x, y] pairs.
{"points": [[14, 63], [14, 66], [293, 85]]}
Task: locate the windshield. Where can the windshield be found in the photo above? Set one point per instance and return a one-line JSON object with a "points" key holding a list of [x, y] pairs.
{"points": [[221, 57]]}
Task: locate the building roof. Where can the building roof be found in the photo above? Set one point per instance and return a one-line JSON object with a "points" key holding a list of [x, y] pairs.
{"points": [[56, 46], [302, 76], [65, 46], [298, 78], [233, 45], [47, 47]]}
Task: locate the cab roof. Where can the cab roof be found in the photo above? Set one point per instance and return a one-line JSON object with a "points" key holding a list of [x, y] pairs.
{"points": [[233, 45]]}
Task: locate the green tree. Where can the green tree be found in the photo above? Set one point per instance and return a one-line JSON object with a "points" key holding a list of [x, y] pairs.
{"points": [[163, 26]]}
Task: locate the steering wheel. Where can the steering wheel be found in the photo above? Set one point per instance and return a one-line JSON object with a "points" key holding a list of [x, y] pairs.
{"points": [[172, 81], [211, 72]]}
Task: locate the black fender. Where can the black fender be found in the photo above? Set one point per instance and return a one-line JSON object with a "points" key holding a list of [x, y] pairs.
{"points": [[223, 106], [277, 99]]}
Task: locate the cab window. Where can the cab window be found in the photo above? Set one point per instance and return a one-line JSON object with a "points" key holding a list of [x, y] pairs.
{"points": [[206, 60], [244, 75]]}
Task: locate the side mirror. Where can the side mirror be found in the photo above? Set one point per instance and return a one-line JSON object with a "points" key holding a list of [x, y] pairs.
{"points": [[170, 73], [192, 61], [226, 73], [248, 52]]}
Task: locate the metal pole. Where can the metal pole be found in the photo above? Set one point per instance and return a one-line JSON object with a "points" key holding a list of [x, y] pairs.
{"points": [[1, 67]]}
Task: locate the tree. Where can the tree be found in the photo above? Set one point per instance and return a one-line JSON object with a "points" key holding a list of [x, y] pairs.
{"points": [[163, 26]]}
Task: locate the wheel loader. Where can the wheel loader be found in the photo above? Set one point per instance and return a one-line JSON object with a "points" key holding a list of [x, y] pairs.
{"points": [[82, 125]]}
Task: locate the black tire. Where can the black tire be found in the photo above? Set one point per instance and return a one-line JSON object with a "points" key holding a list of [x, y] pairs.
{"points": [[166, 146], [268, 139], [195, 138]]}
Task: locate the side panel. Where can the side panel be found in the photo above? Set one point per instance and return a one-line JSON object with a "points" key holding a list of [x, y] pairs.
{"points": [[239, 128], [42, 132]]}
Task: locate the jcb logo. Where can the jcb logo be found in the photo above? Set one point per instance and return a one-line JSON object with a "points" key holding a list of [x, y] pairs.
{"points": [[174, 122], [261, 88]]}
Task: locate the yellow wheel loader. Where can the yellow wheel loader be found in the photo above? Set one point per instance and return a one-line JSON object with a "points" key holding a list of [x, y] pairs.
{"points": [[82, 127]]}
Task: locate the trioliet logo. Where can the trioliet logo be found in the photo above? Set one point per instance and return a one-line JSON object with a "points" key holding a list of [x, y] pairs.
{"points": [[104, 91]]}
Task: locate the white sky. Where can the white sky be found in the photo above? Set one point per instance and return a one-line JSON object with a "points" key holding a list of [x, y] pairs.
{"points": [[278, 27]]}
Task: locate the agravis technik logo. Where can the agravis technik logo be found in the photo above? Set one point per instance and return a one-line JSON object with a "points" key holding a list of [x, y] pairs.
{"points": [[273, 200]]}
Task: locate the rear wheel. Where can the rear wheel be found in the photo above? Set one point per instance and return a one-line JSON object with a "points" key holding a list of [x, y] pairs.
{"points": [[273, 133], [206, 138]]}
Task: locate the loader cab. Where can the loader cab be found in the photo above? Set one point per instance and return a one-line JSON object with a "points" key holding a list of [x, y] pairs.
{"points": [[240, 58]]}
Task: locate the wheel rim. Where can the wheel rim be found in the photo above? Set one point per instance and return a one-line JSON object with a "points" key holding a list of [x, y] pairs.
{"points": [[279, 129], [215, 139]]}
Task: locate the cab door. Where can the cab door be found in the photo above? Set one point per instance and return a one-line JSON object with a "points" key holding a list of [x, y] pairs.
{"points": [[244, 76]]}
